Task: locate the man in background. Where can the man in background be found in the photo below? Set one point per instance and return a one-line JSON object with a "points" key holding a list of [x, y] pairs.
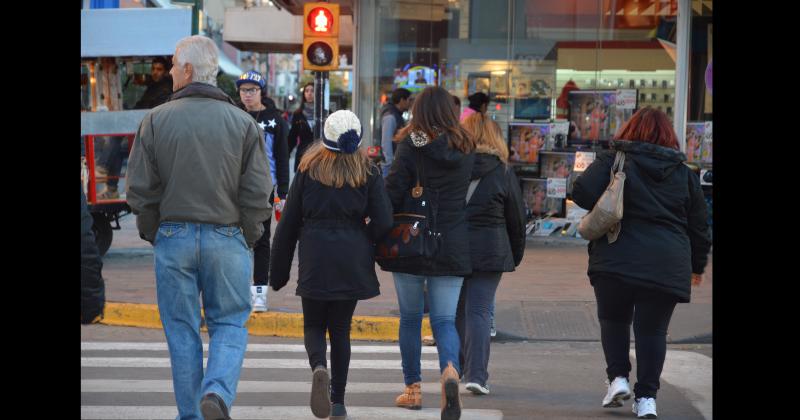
{"points": [[391, 122]]}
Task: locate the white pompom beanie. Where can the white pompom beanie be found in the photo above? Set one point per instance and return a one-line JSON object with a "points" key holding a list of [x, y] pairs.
{"points": [[342, 132]]}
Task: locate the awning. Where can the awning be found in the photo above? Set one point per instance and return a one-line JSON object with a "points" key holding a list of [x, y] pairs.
{"points": [[133, 32]]}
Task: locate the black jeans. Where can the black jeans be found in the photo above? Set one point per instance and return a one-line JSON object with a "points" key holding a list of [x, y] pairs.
{"points": [[261, 257], [473, 321], [333, 316], [619, 304]]}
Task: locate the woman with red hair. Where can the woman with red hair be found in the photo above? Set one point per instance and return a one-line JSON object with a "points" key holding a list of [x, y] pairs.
{"points": [[661, 251]]}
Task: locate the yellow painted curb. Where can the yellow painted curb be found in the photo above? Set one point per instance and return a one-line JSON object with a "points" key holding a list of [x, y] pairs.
{"points": [[279, 324]]}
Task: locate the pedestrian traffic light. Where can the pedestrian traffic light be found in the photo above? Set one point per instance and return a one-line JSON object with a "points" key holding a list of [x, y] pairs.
{"points": [[320, 36]]}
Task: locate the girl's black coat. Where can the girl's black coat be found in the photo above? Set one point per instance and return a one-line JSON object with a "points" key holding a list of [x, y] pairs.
{"points": [[337, 258]]}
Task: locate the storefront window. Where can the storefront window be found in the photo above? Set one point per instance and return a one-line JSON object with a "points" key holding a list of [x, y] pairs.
{"points": [[522, 53], [699, 129], [562, 76]]}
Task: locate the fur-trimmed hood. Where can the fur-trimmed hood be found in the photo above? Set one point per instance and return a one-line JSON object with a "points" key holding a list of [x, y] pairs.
{"points": [[438, 150]]}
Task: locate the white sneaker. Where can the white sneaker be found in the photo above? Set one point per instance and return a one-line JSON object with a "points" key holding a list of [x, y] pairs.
{"points": [[258, 298], [477, 389], [617, 391], [645, 408]]}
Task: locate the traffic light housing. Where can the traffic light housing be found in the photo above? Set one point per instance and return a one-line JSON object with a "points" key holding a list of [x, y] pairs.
{"points": [[320, 36]]}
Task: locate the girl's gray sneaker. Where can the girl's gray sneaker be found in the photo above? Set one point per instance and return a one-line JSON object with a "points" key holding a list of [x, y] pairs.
{"points": [[338, 412], [321, 393]]}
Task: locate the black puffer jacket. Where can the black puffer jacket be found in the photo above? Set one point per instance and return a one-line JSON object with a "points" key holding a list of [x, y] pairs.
{"points": [[447, 171], [496, 217], [337, 257], [664, 236]]}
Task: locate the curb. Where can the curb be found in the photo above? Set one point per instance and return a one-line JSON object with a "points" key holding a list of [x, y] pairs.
{"points": [[277, 324], [128, 252], [565, 241]]}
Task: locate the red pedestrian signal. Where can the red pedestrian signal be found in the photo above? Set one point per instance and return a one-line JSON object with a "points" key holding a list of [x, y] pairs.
{"points": [[320, 36], [321, 19]]}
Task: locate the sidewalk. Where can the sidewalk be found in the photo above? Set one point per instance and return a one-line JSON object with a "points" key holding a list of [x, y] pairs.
{"points": [[548, 298]]}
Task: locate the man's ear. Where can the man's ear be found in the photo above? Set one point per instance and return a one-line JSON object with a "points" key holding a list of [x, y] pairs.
{"points": [[188, 71]]}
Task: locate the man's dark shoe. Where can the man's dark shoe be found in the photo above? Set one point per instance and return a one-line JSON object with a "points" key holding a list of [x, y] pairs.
{"points": [[213, 408]]}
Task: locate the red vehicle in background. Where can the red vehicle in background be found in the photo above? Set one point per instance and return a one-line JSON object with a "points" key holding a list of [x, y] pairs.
{"points": [[117, 47]]}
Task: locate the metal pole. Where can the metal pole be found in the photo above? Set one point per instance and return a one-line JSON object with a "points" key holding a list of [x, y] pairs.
{"points": [[196, 8], [318, 102], [682, 70], [326, 95]]}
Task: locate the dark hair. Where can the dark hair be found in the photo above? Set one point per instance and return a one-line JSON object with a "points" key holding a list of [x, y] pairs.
{"points": [[433, 111], [303, 96], [166, 61], [477, 99], [457, 101], [267, 101], [399, 94], [649, 125]]}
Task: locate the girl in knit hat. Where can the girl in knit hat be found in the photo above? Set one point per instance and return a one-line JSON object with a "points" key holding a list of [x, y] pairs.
{"points": [[335, 190]]}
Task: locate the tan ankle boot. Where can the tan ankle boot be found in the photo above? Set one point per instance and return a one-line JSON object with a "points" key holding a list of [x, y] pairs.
{"points": [[411, 398], [451, 400]]}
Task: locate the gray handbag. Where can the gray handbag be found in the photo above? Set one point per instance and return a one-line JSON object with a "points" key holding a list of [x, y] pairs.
{"points": [[605, 217]]}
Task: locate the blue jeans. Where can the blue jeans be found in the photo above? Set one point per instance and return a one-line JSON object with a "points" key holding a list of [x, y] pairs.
{"points": [[195, 258], [473, 321], [443, 292], [111, 158]]}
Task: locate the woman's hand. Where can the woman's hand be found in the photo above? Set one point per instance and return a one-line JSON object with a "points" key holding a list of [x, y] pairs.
{"points": [[697, 279]]}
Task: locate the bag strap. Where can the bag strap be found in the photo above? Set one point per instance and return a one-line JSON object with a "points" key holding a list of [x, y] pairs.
{"points": [[472, 186], [420, 167], [619, 163]]}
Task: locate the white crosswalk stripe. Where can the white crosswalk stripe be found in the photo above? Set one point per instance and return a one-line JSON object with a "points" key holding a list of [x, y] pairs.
{"points": [[283, 413], [288, 348], [133, 385], [133, 381], [141, 362]]}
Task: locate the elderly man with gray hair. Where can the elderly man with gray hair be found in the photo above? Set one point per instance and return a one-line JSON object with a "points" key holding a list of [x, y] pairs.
{"points": [[199, 184]]}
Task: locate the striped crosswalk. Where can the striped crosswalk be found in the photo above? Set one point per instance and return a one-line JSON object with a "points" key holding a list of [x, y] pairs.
{"points": [[132, 380]]}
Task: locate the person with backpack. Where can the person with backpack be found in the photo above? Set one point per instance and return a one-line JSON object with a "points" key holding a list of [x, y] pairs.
{"points": [[436, 151]]}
